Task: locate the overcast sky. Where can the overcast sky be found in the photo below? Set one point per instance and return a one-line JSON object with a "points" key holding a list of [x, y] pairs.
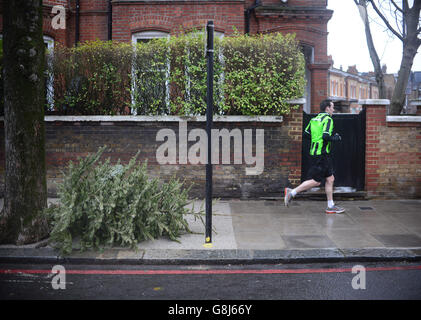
{"points": [[347, 42]]}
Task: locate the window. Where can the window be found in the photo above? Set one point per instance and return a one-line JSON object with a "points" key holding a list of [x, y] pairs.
{"points": [[334, 88], [151, 73], [353, 91], [49, 80], [150, 82], [147, 36], [49, 42]]}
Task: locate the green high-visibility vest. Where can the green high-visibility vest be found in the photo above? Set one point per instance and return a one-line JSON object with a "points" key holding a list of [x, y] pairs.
{"points": [[322, 123]]}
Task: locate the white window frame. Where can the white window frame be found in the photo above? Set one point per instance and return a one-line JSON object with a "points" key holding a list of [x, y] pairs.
{"points": [[149, 35], [49, 41]]}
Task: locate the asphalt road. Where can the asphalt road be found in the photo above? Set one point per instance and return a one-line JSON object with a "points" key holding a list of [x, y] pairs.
{"points": [[203, 283]]}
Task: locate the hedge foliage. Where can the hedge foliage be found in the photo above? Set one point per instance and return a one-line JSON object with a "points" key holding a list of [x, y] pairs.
{"points": [[254, 75]]}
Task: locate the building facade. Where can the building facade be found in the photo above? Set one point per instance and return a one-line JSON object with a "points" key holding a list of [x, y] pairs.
{"points": [[129, 20], [346, 88]]}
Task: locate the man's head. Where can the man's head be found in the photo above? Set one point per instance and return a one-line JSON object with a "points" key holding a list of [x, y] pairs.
{"points": [[327, 106]]}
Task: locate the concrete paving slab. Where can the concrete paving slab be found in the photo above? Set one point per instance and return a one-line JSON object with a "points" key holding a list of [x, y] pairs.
{"points": [[351, 238], [398, 240], [308, 241], [258, 240], [301, 230]]}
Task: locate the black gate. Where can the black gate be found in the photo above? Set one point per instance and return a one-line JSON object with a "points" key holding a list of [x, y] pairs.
{"points": [[348, 154]]}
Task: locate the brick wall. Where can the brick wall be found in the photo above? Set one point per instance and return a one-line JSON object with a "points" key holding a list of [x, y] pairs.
{"points": [[174, 17], [66, 141], [393, 154]]}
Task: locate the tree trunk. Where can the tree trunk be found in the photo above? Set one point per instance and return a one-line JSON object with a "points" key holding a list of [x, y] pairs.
{"points": [[411, 44], [399, 93], [21, 220], [362, 7]]}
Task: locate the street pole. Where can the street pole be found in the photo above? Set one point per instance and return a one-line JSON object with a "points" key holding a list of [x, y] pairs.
{"points": [[209, 120]]}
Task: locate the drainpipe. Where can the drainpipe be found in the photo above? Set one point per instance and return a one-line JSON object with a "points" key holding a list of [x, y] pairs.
{"points": [[77, 34], [110, 20], [256, 4]]}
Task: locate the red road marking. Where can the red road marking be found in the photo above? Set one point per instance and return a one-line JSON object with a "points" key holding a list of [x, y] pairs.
{"points": [[214, 271]]}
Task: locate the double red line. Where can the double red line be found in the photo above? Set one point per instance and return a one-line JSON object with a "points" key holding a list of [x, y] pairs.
{"points": [[203, 272]]}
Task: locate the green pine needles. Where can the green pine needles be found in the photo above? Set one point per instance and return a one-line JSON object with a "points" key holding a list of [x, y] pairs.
{"points": [[105, 204]]}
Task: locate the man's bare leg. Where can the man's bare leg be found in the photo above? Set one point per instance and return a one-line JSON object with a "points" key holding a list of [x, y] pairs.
{"points": [[290, 193], [308, 184], [329, 187], [331, 208]]}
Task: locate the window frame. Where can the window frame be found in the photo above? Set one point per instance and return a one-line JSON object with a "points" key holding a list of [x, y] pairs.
{"points": [[49, 41], [150, 35]]}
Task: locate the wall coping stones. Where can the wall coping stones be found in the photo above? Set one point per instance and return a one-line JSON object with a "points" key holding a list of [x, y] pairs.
{"points": [[403, 118], [161, 118], [371, 102], [415, 102]]}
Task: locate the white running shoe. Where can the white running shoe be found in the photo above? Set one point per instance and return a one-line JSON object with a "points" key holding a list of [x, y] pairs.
{"points": [[287, 196], [335, 209]]}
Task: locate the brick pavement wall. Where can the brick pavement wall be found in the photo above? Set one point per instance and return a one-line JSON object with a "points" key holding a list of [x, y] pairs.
{"points": [[68, 140], [393, 155]]}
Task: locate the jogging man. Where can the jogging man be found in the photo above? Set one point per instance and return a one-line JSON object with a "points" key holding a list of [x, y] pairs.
{"points": [[321, 167]]}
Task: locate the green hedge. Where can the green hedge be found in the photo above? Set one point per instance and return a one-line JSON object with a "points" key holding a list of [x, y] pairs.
{"points": [[254, 75], [93, 78]]}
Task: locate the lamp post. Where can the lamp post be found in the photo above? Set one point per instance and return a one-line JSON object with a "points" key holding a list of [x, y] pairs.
{"points": [[209, 122]]}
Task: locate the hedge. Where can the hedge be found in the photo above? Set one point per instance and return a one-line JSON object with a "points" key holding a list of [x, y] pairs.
{"points": [[254, 75]]}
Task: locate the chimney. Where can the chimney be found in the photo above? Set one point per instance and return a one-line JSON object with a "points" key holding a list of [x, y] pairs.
{"points": [[352, 69], [384, 69]]}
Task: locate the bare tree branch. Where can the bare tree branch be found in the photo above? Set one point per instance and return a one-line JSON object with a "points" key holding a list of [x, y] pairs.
{"points": [[380, 14], [396, 6]]}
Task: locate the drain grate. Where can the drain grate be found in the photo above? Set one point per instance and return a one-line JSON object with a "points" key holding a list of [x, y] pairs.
{"points": [[366, 208]]}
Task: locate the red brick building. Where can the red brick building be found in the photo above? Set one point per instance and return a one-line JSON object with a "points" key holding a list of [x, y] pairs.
{"points": [[134, 20]]}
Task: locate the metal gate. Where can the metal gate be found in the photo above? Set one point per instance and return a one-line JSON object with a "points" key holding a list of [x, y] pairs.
{"points": [[348, 154]]}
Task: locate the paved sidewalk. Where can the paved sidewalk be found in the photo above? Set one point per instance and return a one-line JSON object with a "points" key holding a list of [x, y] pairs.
{"points": [[267, 232]]}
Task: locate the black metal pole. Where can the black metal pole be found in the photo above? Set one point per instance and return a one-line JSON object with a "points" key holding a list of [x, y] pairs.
{"points": [[77, 23], [110, 20], [209, 120]]}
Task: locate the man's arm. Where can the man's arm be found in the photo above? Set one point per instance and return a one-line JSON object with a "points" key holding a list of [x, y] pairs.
{"points": [[335, 137], [307, 134], [327, 132]]}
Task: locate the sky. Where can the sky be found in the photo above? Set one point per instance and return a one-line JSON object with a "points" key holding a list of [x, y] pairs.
{"points": [[347, 42]]}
